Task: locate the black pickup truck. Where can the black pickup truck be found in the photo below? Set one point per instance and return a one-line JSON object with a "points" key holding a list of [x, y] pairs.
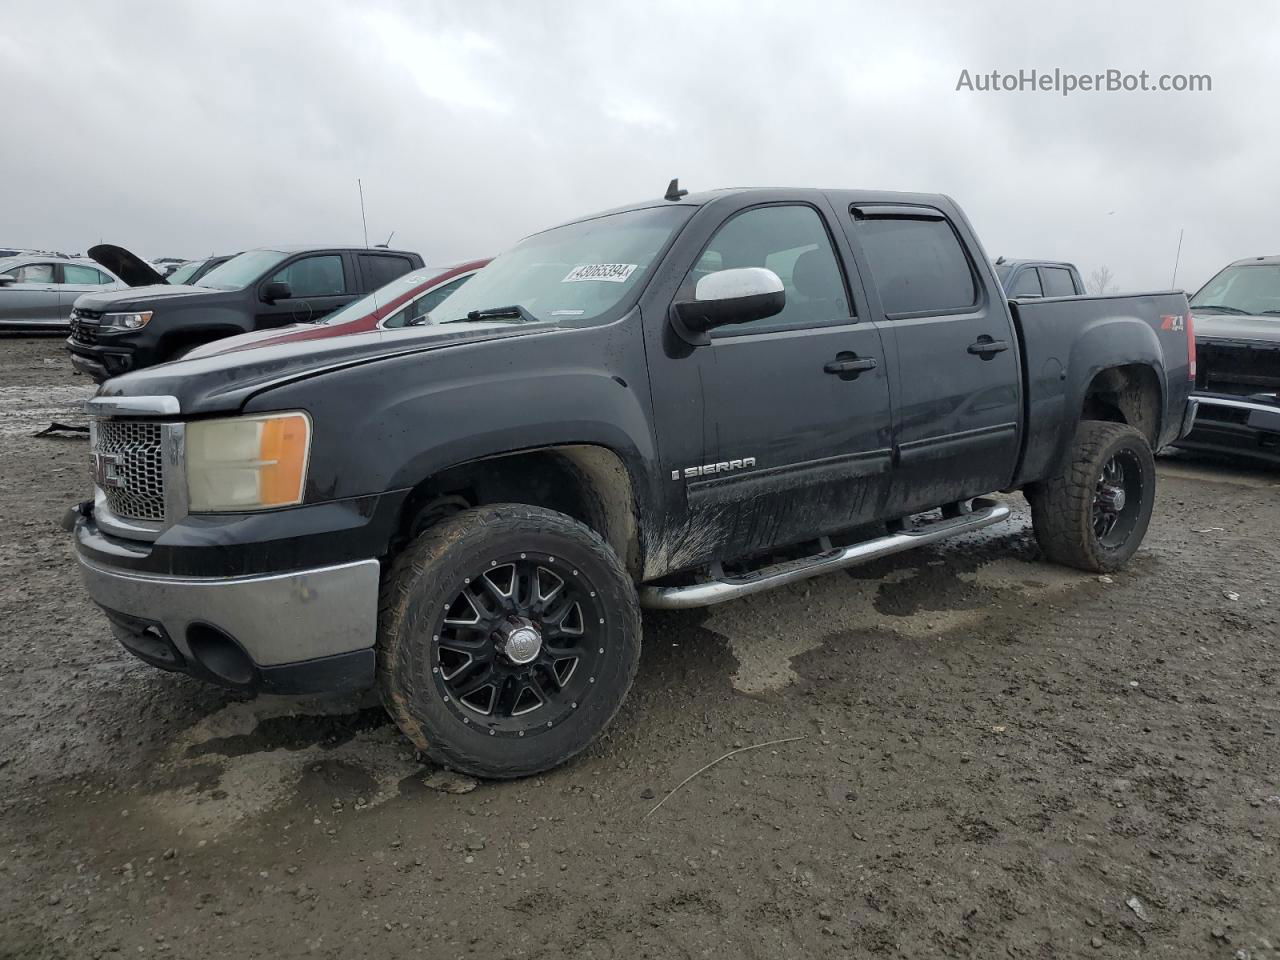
{"points": [[155, 321], [1237, 332], [1038, 278], [668, 405]]}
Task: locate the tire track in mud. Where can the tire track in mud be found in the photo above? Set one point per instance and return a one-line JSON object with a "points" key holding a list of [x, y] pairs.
{"points": [[918, 595], [250, 758]]}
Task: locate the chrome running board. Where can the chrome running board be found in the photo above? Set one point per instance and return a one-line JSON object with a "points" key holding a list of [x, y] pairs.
{"points": [[985, 513]]}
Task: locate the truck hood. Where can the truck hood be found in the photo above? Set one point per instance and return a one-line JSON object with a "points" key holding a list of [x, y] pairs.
{"points": [[222, 383], [1220, 326], [140, 296], [128, 266]]}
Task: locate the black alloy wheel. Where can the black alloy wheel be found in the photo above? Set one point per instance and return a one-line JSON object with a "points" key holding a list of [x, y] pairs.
{"points": [[518, 645], [1117, 499]]}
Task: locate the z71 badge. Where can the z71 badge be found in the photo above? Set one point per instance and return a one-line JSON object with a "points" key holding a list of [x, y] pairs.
{"points": [[710, 469]]}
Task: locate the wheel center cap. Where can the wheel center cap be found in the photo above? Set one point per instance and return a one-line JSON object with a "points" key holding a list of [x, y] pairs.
{"points": [[1113, 498], [523, 644]]}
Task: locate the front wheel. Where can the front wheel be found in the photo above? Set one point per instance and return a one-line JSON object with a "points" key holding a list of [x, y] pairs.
{"points": [[508, 637], [1095, 512]]}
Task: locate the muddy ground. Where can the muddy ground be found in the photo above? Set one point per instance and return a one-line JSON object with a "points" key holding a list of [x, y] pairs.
{"points": [[999, 758]]}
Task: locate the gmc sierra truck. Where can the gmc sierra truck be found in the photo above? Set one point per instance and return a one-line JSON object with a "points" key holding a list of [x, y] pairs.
{"points": [[672, 404]]}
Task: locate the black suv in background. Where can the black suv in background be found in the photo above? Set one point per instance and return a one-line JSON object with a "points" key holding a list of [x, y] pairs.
{"points": [[118, 331]]}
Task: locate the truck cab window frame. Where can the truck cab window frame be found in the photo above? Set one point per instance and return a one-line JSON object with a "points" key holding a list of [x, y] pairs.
{"points": [[311, 272], [1033, 289], [820, 274], [888, 260], [1058, 276]]}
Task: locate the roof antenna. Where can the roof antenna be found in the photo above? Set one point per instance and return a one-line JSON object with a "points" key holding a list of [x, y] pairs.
{"points": [[363, 222], [673, 190], [1177, 257]]}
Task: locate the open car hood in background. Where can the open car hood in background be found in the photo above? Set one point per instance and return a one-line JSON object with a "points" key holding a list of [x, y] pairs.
{"points": [[129, 267]]}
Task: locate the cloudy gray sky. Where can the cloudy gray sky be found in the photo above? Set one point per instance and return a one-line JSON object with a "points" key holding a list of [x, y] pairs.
{"points": [[188, 128]]}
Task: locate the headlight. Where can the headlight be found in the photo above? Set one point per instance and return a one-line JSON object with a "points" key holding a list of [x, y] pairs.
{"points": [[247, 463], [123, 322]]}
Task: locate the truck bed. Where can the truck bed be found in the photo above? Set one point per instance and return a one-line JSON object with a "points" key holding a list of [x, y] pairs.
{"points": [[1067, 341]]}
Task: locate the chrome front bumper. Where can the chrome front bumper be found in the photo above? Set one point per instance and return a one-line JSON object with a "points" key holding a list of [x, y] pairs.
{"points": [[276, 619], [1265, 414]]}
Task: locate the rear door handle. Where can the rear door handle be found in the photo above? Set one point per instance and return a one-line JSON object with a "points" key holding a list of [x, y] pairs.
{"points": [[986, 348], [849, 366]]}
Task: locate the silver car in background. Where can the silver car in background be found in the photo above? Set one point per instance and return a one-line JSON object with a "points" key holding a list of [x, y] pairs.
{"points": [[37, 291]]}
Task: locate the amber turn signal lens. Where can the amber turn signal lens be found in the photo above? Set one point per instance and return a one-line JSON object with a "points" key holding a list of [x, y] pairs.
{"points": [[283, 452]]}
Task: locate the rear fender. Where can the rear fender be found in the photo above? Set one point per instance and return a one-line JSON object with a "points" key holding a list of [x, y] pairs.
{"points": [[1057, 390]]}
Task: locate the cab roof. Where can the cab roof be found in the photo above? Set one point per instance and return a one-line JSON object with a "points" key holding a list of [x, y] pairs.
{"points": [[839, 196], [1007, 262], [306, 247], [1271, 260]]}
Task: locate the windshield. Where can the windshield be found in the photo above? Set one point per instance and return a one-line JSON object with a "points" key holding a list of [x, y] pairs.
{"points": [[1002, 273], [7, 263], [184, 272], [1253, 289], [572, 274], [241, 270], [382, 296]]}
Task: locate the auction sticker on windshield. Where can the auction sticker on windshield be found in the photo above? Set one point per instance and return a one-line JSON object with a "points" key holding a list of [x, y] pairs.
{"points": [[608, 272]]}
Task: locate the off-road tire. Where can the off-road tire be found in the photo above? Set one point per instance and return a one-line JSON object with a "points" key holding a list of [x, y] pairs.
{"points": [[431, 571], [1062, 507]]}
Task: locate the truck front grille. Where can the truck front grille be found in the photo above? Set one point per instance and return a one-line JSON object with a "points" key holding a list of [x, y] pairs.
{"points": [[128, 466], [84, 325], [1237, 368]]}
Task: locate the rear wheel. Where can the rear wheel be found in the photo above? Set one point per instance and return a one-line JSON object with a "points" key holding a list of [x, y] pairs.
{"points": [[1094, 514], [508, 636]]}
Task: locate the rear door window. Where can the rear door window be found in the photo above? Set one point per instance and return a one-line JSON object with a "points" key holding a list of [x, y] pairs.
{"points": [[1027, 284], [318, 276], [78, 273], [917, 264], [381, 268], [1057, 282]]}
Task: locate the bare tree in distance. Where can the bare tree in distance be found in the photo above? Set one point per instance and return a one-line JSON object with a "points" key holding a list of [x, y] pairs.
{"points": [[1102, 282]]}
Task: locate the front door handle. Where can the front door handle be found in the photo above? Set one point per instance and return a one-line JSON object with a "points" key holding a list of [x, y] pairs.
{"points": [[849, 366], [986, 348]]}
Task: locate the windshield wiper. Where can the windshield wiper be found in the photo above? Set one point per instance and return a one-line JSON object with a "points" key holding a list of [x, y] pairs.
{"points": [[1267, 313], [1218, 306], [513, 312]]}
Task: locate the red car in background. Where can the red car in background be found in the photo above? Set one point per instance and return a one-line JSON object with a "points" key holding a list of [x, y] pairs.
{"points": [[395, 305]]}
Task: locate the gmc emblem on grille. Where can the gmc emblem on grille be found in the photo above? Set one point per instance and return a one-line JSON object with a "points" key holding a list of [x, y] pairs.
{"points": [[105, 470]]}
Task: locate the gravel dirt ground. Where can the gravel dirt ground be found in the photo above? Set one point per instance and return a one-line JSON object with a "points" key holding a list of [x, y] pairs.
{"points": [[999, 758]]}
